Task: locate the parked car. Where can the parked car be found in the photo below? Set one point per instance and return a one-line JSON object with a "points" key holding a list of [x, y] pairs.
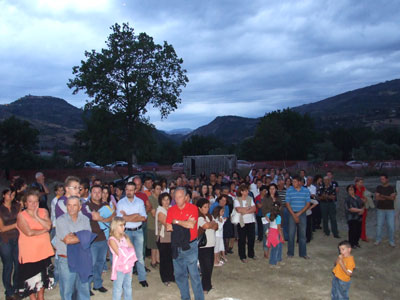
{"points": [[122, 164], [243, 164], [150, 166], [142, 175], [92, 165], [385, 165], [356, 164], [177, 167], [118, 163]]}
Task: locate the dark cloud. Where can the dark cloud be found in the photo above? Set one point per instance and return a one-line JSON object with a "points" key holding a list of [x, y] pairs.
{"points": [[243, 58]]}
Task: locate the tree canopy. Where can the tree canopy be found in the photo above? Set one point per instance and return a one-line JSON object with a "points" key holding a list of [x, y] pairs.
{"points": [[17, 141], [278, 136], [127, 77]]}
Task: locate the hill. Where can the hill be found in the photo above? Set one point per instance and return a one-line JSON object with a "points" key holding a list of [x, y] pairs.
{"points": [[56, 119], [375, 106], [230, 129]]}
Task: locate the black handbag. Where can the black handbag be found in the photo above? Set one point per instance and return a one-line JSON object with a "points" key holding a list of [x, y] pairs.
{"points": [[202, 240]]}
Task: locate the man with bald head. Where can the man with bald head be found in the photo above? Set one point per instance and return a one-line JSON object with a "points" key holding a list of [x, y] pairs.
{"points": [[43, 189], [67, 225], [185, 214]]}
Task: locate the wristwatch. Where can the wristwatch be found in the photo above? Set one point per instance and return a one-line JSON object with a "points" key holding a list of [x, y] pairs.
{"points": [[177, 222]]}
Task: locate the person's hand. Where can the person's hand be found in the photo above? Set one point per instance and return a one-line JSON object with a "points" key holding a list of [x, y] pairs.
{"points": [[96, 216], [296, 219], [169, 227], [35, 213], [123, 213], [192, 221], [68, 237]]}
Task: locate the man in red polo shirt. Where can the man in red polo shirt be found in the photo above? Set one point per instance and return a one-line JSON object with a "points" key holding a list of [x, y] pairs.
{"points": [[186, 215]]}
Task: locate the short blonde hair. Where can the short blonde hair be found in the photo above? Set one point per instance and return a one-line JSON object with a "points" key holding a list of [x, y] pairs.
{"points": [[114, 223]]}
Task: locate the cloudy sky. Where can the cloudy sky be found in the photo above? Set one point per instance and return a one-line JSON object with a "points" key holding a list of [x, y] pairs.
{"points": [[243, 57]]}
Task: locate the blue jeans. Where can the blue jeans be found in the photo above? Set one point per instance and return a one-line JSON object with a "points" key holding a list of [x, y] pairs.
{"points": [[9, 257], [301, 227], [122, 285], [56, 275], [381, 216], [265, 227], [184, 263], [99, 252], [340, 289], [285, 223], [276, 254], [70, 283], [136, 238]]}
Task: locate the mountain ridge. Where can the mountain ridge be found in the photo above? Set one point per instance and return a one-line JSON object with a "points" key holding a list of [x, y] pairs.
{"points": [[375, 106]]}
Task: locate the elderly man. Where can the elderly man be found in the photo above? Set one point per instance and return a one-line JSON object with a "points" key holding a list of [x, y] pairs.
{"points": [[186, 215], [67, 225], [132, 209], [43, 189]]}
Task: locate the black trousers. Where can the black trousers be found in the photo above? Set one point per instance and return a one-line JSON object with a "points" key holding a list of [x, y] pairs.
{"points": [[206, 260], [354, 231], [166, 265], [309, 228], [328, 212], [247, 232], [260, 233], [316, 217]]}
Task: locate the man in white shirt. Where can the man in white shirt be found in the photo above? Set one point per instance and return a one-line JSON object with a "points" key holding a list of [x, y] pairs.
{"points": [[314, 202], [132, 209], [255, 187]]}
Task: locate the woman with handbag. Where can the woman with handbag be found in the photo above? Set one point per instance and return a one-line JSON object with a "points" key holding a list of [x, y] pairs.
{"points": [[244, 205], [207, 229]]}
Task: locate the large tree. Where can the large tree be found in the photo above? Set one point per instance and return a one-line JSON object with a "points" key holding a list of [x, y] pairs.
{"points": [[130, 75], [17, 141], [281, 135]]}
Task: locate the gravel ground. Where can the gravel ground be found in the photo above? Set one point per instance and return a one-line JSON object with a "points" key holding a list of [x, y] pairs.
{"points": [[376, 276]]}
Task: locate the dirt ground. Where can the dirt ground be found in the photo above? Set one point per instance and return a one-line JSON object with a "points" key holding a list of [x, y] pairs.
{"points": [[377, 274]]}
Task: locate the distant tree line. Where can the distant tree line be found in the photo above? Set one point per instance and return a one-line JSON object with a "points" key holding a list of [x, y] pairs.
{"points": [[280, 135], [18, 140], [288, 135]]}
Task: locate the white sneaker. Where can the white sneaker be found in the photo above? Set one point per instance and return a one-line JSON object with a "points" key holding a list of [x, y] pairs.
{"points": [[377, 243], [393, 245]]}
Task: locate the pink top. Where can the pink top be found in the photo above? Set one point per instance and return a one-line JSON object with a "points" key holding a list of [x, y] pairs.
{"points": [[273, 237], [126, 259]]}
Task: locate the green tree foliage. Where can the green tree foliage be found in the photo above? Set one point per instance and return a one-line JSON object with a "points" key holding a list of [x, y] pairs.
{"points": [[280, 135], [200, 145], [100, 141], [127, 77], [17, 141], [377, 150]]}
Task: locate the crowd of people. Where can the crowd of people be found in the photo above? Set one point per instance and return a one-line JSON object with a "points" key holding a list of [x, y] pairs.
{"points": [[187, 226]]}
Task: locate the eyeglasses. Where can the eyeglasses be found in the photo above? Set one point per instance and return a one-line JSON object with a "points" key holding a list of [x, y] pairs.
{"points": [[76, 188]]}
